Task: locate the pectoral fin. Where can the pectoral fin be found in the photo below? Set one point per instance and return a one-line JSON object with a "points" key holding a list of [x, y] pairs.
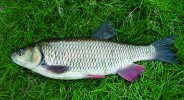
{"points": [[132, 72], [105, 31], [56, 68]]}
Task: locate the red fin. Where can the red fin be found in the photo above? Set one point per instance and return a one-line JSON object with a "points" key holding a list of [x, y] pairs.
{"points": [[131, 73], [56, 68], [95, 76]]}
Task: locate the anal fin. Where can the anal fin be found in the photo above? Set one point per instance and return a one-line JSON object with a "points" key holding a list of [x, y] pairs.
{"points": [[95, 76], [132, 72]]}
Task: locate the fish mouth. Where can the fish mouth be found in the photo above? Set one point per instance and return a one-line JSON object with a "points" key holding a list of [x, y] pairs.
{"points": [[15, 60], [13, 54], [13, 57]]}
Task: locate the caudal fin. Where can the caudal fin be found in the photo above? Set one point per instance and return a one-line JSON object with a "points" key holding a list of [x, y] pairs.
{"points": [[163, 50]]}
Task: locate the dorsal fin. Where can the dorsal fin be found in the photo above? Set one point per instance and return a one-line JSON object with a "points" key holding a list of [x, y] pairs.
{"points": [[105, 31]]}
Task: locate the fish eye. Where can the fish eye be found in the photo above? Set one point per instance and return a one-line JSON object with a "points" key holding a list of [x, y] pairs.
{"points": [[20, 52]]}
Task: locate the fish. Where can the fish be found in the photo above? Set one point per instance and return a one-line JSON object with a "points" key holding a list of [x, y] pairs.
{"points": [[92, 58]]}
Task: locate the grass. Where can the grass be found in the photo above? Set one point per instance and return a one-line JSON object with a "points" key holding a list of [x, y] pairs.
{"points": [[137, 22]]}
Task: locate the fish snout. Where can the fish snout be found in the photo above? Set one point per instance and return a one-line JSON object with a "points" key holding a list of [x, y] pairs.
{"points": [[13, 54]]}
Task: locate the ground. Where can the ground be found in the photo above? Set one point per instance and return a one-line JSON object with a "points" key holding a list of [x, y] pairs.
{"points": [[140, 22]]}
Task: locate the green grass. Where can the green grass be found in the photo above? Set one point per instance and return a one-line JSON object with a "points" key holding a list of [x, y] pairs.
{"points": [[23, 22]]}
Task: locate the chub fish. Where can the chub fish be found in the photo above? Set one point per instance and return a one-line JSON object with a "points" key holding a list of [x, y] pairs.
{"points": [[92, 57]]}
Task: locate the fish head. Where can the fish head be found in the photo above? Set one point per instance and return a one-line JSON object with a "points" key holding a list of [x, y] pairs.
{"points": [[28, 57]]}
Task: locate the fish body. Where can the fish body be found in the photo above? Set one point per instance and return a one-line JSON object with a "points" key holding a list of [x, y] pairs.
{"points": [[92, 57]]}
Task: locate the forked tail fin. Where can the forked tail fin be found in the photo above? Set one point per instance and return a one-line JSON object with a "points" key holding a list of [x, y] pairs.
{"points": [[163, 50]]}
